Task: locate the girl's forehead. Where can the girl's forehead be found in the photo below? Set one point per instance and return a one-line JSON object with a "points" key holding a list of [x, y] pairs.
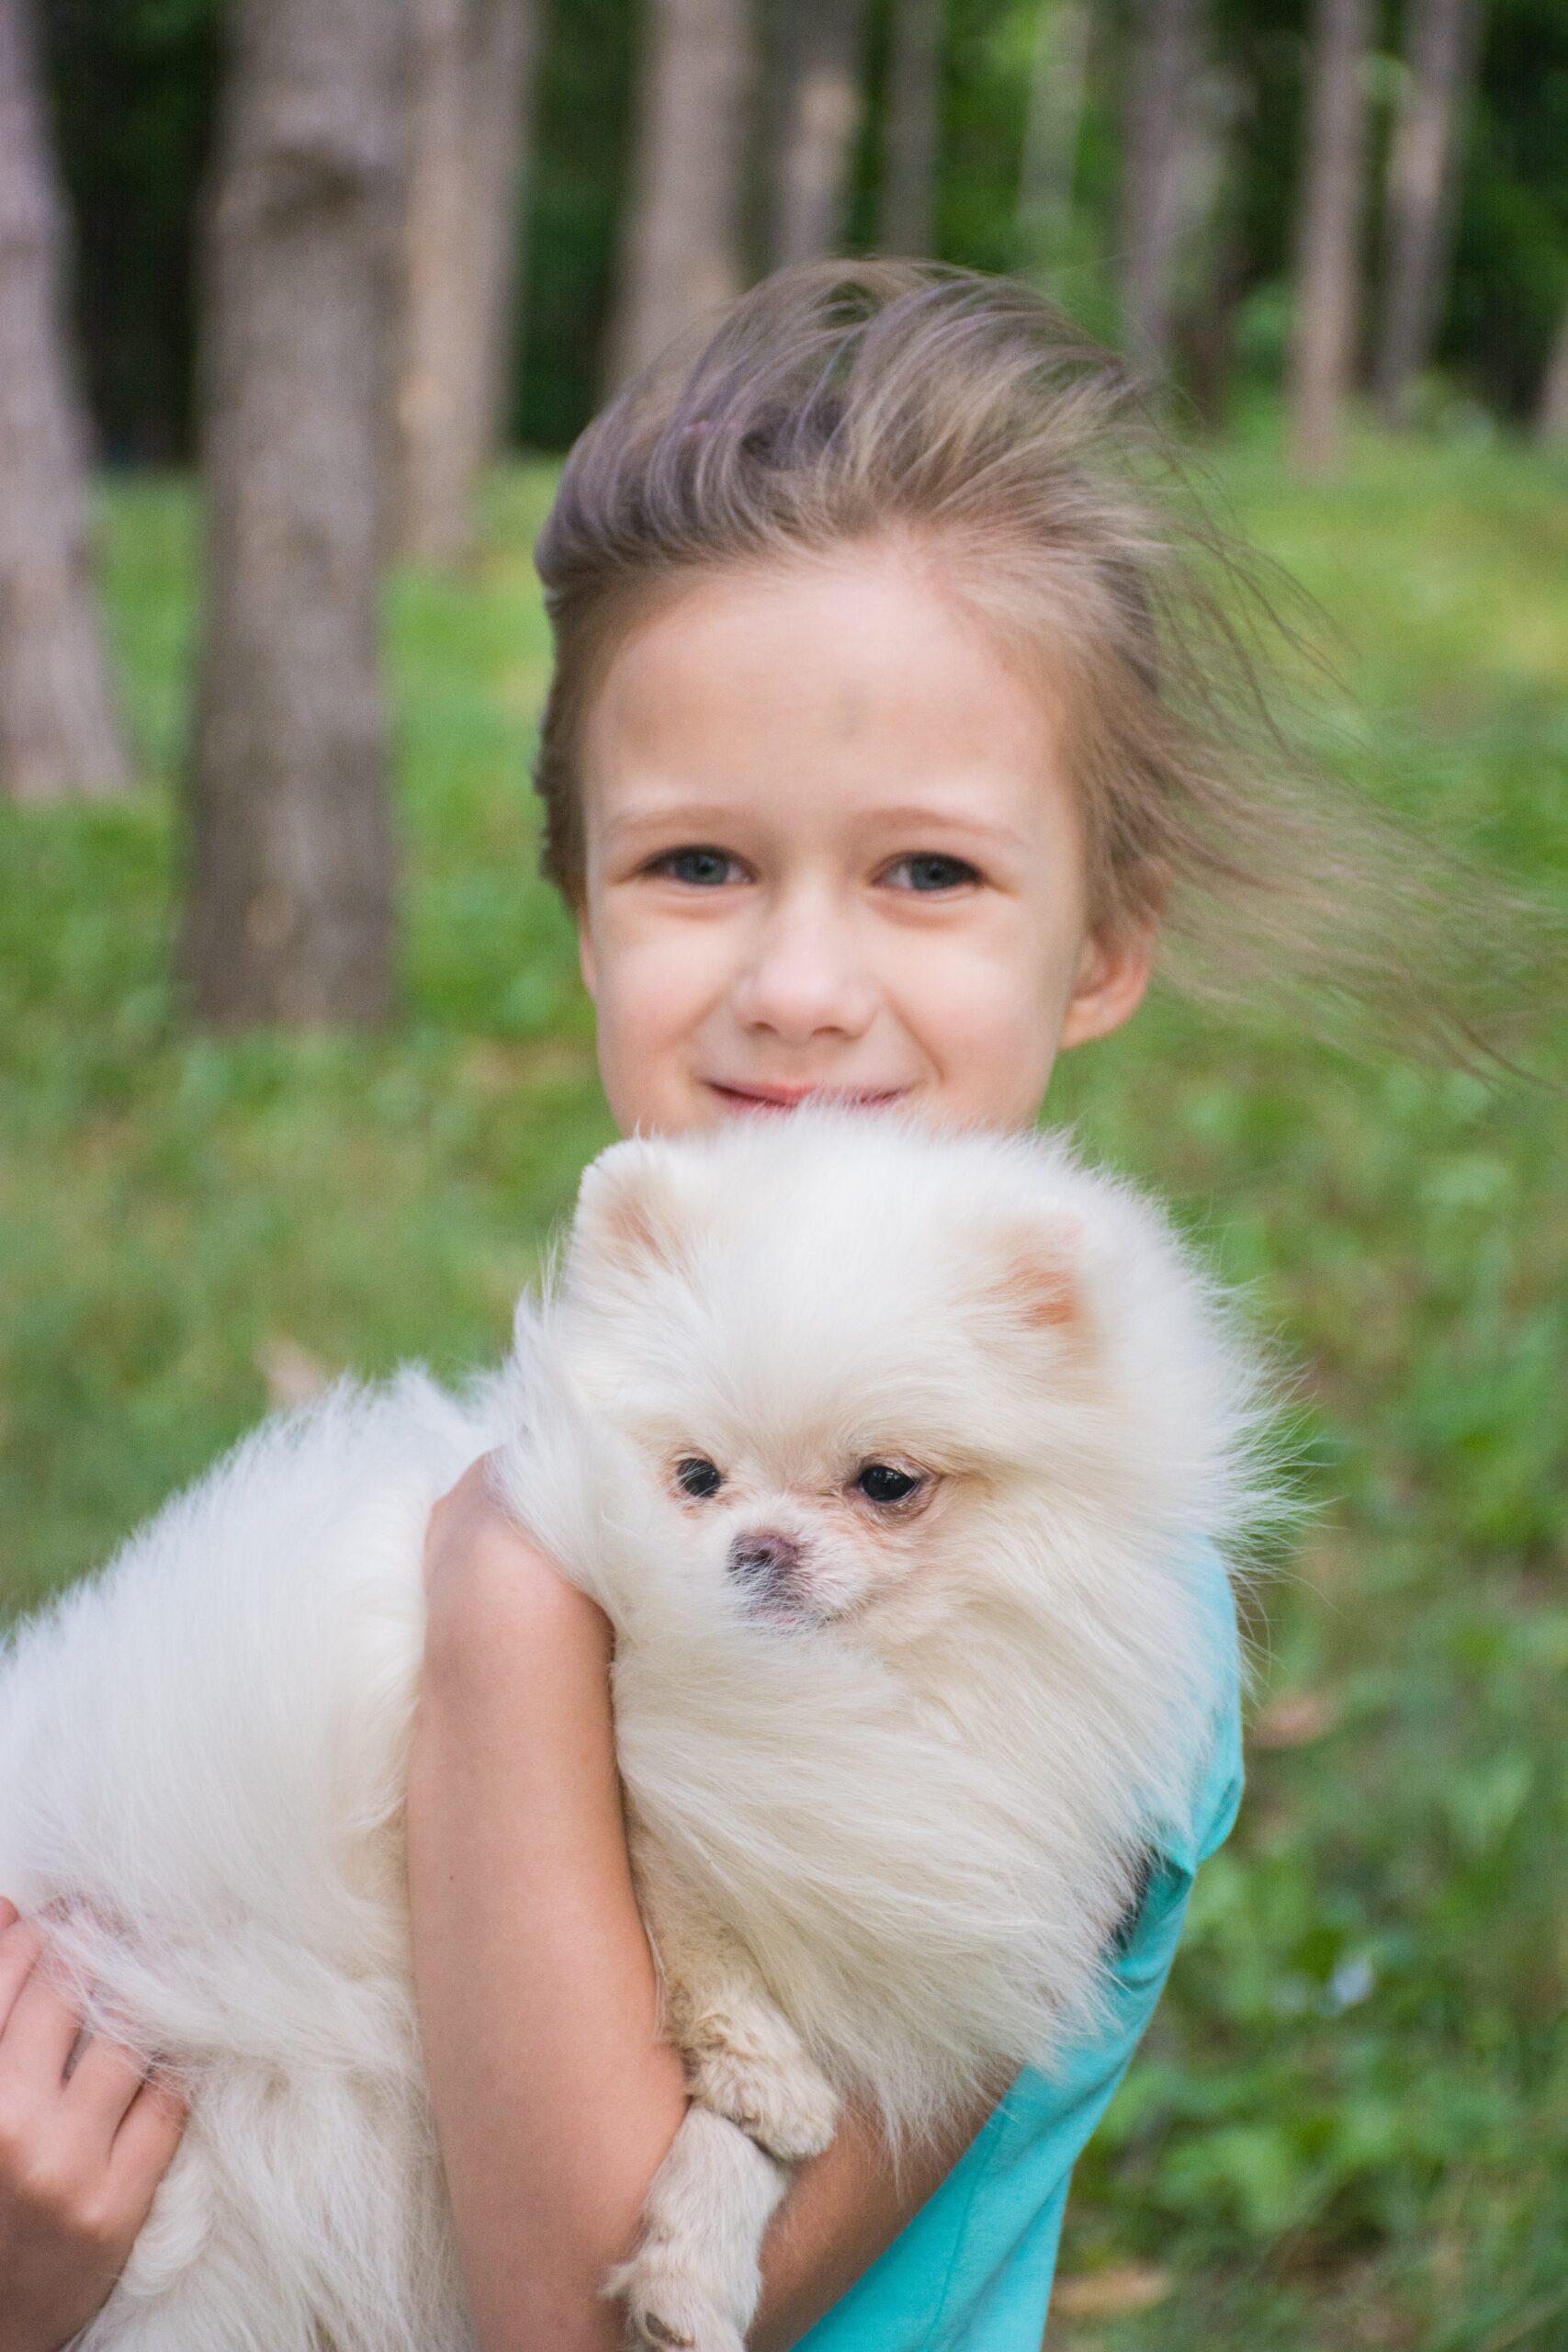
{"points": [[865, 625], [857, 679]]}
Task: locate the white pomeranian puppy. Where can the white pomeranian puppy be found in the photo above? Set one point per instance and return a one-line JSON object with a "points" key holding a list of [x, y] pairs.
{"points": [[890, 1455]]}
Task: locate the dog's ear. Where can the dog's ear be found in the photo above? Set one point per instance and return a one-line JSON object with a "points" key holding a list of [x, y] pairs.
{"points": [[1041, 1281], [633, 1210]]}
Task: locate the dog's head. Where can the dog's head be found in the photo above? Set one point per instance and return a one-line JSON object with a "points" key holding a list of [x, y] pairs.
{"points": [[863, 1367]]}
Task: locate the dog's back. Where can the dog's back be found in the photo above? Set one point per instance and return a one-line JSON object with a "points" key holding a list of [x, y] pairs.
{"points": [[201, 1766]]}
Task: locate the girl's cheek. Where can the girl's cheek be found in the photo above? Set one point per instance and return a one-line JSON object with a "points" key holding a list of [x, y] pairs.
{"points": [[656, 987], [992, 1023], [975, 986]]}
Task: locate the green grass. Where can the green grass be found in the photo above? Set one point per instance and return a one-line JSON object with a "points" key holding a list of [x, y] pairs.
{"points": [[1348, 2127]]}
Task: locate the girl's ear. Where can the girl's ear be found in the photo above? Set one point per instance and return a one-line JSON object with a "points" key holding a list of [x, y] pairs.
{"points": [[1114, 972]]}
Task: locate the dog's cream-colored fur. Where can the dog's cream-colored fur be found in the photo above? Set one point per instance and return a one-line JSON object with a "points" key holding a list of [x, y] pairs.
{"points": [[891, 1764]]}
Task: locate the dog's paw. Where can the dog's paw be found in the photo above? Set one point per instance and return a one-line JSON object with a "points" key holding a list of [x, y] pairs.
{"points": [[780, 2099], [672, 2307], [694, 2279]]}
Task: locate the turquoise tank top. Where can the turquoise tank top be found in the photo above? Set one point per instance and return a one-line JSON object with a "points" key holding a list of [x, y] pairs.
{"points": [[972, 2271]]}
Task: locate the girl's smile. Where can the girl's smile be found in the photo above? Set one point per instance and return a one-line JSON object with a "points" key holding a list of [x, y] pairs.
{"points": [[831, 850], [787, 1098]]}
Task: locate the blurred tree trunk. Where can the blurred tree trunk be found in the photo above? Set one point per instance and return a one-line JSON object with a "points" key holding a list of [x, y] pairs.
{"points": [[1163, 63], [681, 247], [818, 104], [1551, 416], [1329, 234], [907, 222], [60, 731], [1058, 81], [1440, 51], [1209, 270], [289, 914], [473, 71], [1206, 328]]}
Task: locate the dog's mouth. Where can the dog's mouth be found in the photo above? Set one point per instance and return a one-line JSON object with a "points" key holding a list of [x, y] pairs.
{"points": [[782, 1617], [786, 1609]]}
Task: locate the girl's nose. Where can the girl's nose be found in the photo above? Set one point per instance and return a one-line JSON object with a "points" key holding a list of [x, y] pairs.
{"points": [[804, 979]]}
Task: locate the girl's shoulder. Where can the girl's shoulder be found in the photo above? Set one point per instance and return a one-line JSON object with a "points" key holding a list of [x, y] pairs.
{"points": [[1217, 1783]]}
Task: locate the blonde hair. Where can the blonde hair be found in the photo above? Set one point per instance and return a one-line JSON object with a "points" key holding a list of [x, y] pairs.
{"points": [[840, 403]]}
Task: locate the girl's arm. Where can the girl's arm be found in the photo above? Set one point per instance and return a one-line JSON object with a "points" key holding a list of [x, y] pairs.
{"points": [[555, 2098], [80, 2155], [842, 2212]]}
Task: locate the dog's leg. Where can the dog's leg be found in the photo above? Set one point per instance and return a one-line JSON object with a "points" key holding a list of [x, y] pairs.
{"points": [[760, 2104], [744, 2059]]}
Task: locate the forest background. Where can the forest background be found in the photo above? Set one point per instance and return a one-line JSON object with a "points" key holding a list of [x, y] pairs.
{"points": [[134, 88], [1348, 2126]]}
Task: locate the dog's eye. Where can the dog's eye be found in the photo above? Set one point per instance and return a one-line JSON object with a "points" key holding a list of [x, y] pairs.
{"points": [[696, 1474], [879, 1482]]}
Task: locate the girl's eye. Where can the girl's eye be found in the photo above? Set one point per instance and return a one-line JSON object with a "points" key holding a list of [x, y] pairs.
{"points": [[928, 871], [696, 1474], [879, 1482], [702, 867]]}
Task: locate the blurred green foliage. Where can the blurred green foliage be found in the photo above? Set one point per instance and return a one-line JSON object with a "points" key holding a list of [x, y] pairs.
{"points": [[1348, 2125], [133, 87]]}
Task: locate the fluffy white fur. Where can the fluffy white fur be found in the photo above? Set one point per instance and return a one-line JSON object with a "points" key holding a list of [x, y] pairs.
{"points": [[891, 1768]]}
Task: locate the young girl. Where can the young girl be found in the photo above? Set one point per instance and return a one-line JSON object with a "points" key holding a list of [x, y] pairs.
{"points": [[892, 714]]}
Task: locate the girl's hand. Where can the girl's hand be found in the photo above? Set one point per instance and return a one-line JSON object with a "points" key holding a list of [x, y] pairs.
{"points": [[81, 2156], [473, 1549]]}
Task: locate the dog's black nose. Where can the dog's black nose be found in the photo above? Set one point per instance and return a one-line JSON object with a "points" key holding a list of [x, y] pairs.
{"points": [[766, 1561]]}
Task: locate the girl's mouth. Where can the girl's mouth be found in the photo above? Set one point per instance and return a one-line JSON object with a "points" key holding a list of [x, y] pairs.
{"points": [[789, 1098]]}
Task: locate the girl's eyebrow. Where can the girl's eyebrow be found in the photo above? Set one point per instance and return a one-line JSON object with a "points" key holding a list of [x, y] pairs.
{"points": [[691, 817], [912, 815], [705, 817]]}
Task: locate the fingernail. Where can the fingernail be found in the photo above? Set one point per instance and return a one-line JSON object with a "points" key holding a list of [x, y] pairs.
{"points": [[10, 1915]]}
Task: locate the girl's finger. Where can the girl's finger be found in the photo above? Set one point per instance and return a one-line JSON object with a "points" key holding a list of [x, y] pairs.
{"points": [[145, 2144], [104, 2083], [20, 1944], [40, 2032]]}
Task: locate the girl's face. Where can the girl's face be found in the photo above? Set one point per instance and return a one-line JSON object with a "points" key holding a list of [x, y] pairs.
{"points": [[831, 850]]}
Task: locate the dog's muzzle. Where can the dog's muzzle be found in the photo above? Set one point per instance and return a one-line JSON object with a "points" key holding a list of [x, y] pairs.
{"points": [[766, 1566]]}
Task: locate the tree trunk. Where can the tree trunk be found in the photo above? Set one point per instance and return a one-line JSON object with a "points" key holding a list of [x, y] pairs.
{"points": [[1163, 66], [472, 85], [289, 916], [818, 103], [680, 246], [1052, 126], [1422, 182], [1206, 330], [1551, 416], [60, 731], [908, 215], [1329, 234]]}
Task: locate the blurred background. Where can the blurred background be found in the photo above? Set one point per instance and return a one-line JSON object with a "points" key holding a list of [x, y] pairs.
{"points": [[299, 303]]}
